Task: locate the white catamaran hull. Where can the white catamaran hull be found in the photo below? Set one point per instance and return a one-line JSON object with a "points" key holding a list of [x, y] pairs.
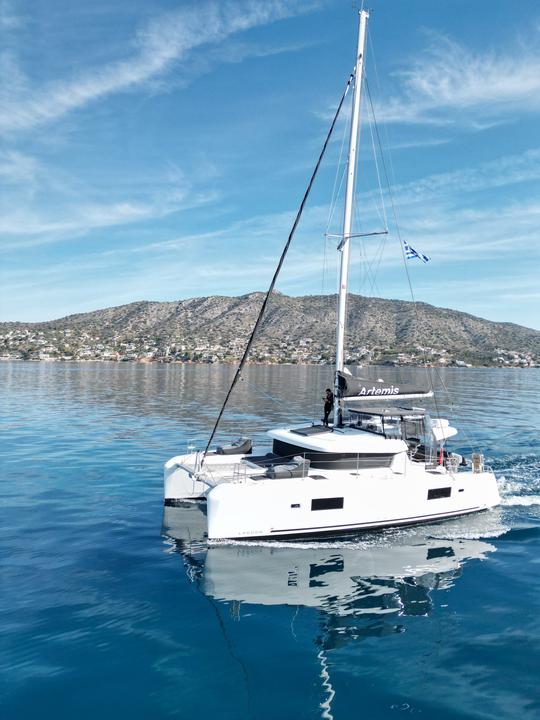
{"points": [[181, 479], [244, 506], [343, 503]]}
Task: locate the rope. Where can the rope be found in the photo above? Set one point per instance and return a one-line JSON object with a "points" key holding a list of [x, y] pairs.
{"points": [[277, 271]]}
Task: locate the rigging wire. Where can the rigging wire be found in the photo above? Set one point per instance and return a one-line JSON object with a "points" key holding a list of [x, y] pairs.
{"points": [[370, 266], [325, 263], [257, 390], [376, 261], [373, 265], [278, 269], [336, 191], [383, 206], [367, 274], [378, 82], [409, 281], [390, 182], [335, 195], [398, 233]]}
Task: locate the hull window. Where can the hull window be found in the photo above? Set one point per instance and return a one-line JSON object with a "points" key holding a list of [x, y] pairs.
{"points": [[436, 493], [327, 503]]}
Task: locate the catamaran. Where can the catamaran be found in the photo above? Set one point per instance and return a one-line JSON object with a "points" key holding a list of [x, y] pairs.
{"points": [[380, 463]]}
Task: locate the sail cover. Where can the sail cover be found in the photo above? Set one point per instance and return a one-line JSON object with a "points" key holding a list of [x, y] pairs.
{"points": [[352, 388]]}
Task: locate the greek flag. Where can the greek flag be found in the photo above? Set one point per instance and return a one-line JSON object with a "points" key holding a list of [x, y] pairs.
{"points": [[412, 254]]}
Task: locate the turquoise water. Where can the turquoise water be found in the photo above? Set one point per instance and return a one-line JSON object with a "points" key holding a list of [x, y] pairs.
{"points": [[111, 608]]}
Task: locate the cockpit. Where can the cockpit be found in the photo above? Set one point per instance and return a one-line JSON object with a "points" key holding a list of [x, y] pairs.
{"points": [[413, 425]]}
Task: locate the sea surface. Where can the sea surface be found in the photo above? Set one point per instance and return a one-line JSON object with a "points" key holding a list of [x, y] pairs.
{"points": [[112, 608]]}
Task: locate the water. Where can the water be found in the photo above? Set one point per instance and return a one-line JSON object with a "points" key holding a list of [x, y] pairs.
{"points": [[111, 608]]}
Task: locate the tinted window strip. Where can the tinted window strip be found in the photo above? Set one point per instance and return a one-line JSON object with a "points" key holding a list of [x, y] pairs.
{"points": [[335, 503], [436, 493]]}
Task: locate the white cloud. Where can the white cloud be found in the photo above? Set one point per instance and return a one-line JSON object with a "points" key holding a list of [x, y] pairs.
{"points": [[164, 41], [429, 208], [420, 143], [42, 204], [17, 168], [506, 170], [449, 84], [479, 260], [29, 229]]}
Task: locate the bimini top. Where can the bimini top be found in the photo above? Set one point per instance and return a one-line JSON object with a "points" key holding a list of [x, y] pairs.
{"points": [[440, 427], [361, 389]]}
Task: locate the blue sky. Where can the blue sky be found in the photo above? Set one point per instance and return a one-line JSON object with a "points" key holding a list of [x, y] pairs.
{"points": [[159, 151]]}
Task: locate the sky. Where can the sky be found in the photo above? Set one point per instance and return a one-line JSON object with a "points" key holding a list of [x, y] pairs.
{"points": [[159, 151]]}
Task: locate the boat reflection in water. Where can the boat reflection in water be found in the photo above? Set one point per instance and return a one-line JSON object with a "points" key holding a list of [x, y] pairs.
{"points": [[363, 587], [391, 572]]}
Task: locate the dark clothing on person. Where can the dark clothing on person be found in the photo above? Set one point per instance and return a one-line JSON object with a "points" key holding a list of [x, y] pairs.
{"points": [[328, 405]]}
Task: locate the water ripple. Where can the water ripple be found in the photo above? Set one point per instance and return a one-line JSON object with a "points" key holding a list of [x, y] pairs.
{"points": [[101, 614]]}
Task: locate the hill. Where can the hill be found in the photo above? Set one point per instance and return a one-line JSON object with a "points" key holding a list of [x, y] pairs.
{"points": [[295, 329]]}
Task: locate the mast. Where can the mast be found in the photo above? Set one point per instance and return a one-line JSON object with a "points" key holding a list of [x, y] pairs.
{"points": [[347, 217]]}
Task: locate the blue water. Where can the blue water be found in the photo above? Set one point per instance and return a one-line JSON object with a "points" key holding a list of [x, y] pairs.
{"points": [[111, 608]]}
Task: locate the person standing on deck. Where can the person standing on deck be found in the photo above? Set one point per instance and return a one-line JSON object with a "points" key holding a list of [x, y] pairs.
{"points": [[328, 398]]}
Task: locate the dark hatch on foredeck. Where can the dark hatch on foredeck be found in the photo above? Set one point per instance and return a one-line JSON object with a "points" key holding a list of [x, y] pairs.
{"points": [[264, 460], [311, 430]]}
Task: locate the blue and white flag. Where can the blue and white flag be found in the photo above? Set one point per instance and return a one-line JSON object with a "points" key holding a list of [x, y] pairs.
{"points": [[412, 254]]}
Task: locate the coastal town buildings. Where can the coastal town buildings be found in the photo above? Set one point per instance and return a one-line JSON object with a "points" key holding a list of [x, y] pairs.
{"points": [[67, 345]]}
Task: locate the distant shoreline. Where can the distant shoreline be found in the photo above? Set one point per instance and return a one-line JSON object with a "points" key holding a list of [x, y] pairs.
{"points": [[234, 363], [296, 331]]}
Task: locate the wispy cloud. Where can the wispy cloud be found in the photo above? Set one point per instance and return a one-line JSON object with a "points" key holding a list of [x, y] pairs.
{"points": [[423, 205], [157, 47], [461, 215], [9, 19], [199, 263], [43, 205], [17, 168], [420, 143], [505, 171], [451, 235], [450, 84], [28, 229]]}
